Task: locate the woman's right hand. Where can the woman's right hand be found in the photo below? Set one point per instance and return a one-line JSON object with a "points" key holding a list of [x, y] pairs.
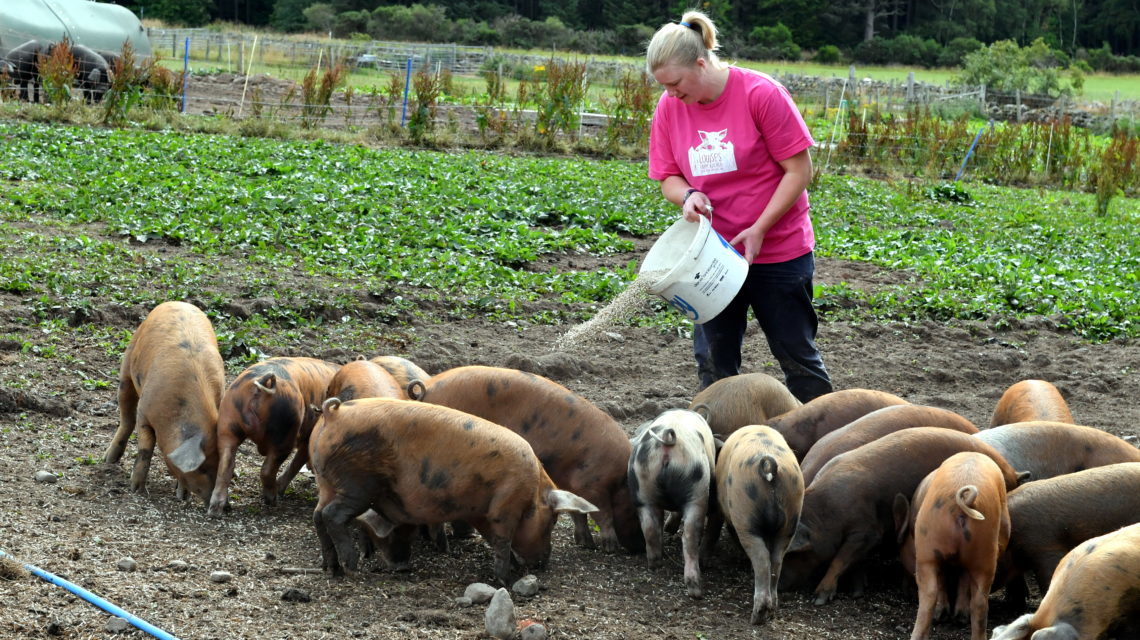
{"points": [[696, 205]]}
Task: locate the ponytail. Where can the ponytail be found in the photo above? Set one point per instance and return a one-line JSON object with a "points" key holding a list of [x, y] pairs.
{"points": [[683, 43]]}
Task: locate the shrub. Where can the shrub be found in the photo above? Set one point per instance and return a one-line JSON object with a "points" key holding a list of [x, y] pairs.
{"points": [[827, 54], [956, 50], [771, 43], [469, 32], [417, 23]]}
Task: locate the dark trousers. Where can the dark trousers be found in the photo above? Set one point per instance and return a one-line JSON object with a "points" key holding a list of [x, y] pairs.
{"points": [[780, 296]]}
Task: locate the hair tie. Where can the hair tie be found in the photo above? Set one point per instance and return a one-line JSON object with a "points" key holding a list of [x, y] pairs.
{"points": [[686, 24]]}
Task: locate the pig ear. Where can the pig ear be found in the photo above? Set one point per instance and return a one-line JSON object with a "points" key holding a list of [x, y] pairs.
{"points": [[702, 410], [379, 525], [562, 501], [189, 455], [901, 510], [268, 383], [801, 541], [1023, 477]]}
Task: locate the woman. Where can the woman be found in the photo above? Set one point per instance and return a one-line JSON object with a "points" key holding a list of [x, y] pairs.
{"points": [[731, 140]]}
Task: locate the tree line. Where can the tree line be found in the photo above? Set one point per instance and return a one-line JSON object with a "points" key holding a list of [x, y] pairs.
{"points": [[756, 29]]}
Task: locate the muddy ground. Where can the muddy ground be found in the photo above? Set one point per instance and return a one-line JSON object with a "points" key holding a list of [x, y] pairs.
{"points": [[58, 411]]}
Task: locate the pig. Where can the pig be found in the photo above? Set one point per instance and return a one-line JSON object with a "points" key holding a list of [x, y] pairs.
{"points": [[1049, 449], [414, 463], [671, 469], [1050, 517], [170, 385], [760, 492], [848, 507], [962, 523], [1094, 593], [582, 448], [875, 425], [403, 370], [803, 426], [25, 60], [736, 401], [1031, 400], [273, 403], [363, 379]]}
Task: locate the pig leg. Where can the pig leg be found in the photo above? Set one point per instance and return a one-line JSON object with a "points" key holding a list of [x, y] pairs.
{"points": [[763, 592], [582, 536], [854, 548], [979, 601], [673, 522], [220, 499], [332, 523], [298, 461], [146, 441], [128, 417], [501, 547], [650, 518], [963, 601], [604, 518], [926, 575], [438, 537], [268, 474], [690, 547], [712, 533]]}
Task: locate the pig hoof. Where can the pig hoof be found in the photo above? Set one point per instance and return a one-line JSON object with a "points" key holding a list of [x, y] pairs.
{"points": [[761, 616], [824, 596], [694, 591]]}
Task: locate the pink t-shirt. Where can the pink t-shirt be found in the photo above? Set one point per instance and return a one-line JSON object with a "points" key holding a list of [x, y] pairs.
{"points": [[730, 150]]}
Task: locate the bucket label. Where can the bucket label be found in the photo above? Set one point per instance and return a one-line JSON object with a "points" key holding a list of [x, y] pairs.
{"points": [[708, 280], [713, 155]]}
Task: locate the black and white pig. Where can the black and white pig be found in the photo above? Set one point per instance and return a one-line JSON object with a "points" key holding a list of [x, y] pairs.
{"points": [[671, 469]]}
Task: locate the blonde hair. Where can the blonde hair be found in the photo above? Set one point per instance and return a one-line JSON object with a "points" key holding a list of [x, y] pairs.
{"points": [[683, 43]]}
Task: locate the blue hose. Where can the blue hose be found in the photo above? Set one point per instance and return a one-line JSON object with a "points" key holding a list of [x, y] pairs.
{"points": [[96, 600]]}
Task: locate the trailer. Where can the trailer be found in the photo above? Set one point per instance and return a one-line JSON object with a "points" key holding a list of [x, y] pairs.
{"points": [[99, 25]]}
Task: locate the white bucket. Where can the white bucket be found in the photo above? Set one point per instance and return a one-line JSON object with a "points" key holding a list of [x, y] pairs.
{"points": [[704, 272]]}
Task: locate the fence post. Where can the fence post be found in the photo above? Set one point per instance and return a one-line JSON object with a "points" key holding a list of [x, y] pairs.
{"points": [[971, 151], [407, 86], [1017, 96], [185, 75], [910, 87]]}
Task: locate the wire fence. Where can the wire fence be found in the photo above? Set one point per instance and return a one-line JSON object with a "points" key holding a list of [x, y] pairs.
{"points": [[235, 52]]}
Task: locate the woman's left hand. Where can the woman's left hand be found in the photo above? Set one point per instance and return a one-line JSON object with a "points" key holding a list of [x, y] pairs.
{"points": [[753, 239]]}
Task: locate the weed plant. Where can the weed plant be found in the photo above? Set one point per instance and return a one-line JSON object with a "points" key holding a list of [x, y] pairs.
{"points": [[57, 72], [561, 99], [127, 86], [316, 96], [631, 112], [427, 87]]}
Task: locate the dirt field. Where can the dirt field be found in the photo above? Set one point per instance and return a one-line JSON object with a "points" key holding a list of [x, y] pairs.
{"points": [[83, 525]]}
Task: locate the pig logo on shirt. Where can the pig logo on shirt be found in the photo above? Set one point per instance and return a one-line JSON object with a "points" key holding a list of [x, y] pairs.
{"points": [[713, 155]]}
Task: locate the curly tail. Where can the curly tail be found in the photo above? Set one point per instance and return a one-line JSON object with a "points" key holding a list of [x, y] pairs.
{"points": [[965, 498]]}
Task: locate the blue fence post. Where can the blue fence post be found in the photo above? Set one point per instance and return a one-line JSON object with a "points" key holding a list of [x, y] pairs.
{"points": [[971, 151], [185, 74], [407, 85]]}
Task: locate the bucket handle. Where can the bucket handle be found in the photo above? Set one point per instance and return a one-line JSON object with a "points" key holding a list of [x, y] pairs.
{"points": [[704, 242]]}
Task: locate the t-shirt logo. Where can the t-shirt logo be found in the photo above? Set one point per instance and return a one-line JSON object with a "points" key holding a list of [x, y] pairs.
{"points": [[712, 155]]}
